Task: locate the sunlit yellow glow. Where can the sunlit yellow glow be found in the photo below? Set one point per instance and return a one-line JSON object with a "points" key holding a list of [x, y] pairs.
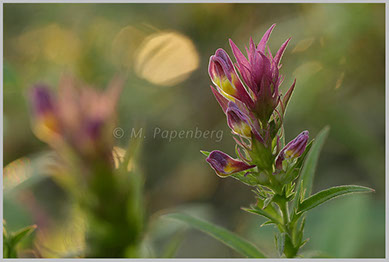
{"points": [[244, 129], [229, 168], [63, 239], [46, 127], [307, 69], [118, 157], [53, 42], [166, 58]]}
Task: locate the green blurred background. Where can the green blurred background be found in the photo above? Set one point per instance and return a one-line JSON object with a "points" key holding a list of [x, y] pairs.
{"points": [[337, 55]]}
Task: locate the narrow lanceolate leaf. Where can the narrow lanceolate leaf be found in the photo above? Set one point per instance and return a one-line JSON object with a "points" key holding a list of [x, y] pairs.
{"points": [[330, 193], [21, 234], [263, 213], [173, 245], [280, 243], [304, 184], [232, 240]]}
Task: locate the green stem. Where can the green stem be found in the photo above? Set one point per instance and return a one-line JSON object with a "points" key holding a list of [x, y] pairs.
{"points": [[290, 250], [285, 213]]}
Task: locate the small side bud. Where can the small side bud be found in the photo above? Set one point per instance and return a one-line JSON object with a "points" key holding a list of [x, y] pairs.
{"points": [[293, 149], [224, 165]]}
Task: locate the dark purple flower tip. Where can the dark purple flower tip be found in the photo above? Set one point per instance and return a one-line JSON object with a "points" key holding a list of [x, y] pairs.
{"points": [[296, 147], [224, 165], [93, 128], [41, 99]]}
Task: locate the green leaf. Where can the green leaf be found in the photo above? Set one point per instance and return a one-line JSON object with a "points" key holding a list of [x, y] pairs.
{"points": [[267, 223], [172, 247], [301, 159], [304, 184], [21, 234], [205, 153], [227, 237], [272, 216], [330, 193], [280, 243]]}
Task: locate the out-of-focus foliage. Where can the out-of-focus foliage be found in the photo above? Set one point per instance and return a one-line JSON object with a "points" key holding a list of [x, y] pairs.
{"points": [[337, 55]]}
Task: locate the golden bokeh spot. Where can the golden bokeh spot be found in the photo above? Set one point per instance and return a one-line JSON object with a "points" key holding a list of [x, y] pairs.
{"points": [[166, 58], [303, 45], [61, 45], [125, 44], [307, 69], [52, 42]]}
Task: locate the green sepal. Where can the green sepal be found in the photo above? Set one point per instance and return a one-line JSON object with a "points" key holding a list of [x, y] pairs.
{"points": [[246, 178], [267, 201], [261, 156], [205, 153]]}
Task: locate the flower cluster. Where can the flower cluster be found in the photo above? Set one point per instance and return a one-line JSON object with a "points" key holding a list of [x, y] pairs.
{"points": [[78, 118], [248, 92], [78, 124]]}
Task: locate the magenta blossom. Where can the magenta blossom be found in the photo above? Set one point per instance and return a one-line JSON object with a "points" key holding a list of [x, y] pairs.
{"points": [[248, 92], [259, 73], [79, 116]]}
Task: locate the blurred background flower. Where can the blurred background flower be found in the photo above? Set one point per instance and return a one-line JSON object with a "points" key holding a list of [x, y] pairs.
{"points": [[337, 55]]}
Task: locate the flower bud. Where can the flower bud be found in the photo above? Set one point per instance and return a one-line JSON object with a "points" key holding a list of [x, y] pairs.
{"points": [[224, 76], [293, 149], [238, 121], [224, 165]]}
